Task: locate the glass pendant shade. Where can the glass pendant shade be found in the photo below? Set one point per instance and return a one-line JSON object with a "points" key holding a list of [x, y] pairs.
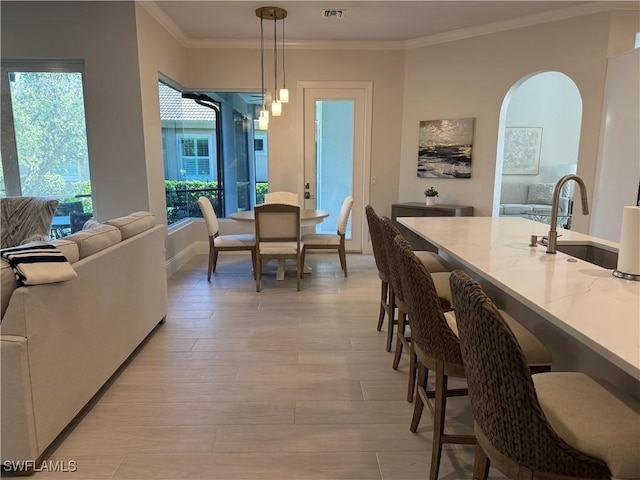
{"points": [[276, 108], [284, 95], [263, 120]]}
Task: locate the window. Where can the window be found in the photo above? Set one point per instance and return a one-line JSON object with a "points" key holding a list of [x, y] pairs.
{"points": [[195, 159], [44, 141], [195, 164]]}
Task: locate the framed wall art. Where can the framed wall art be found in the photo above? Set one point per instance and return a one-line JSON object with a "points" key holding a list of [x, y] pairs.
{"points": [[445, 148], [522, 150]]}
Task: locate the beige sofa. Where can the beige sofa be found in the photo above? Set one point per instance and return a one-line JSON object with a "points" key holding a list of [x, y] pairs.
{"points": [[535, 199], [60, 342]]}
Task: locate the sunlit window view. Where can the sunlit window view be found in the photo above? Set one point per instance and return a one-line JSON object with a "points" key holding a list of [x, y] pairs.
{"points": [[234, 178], [50, 143]]}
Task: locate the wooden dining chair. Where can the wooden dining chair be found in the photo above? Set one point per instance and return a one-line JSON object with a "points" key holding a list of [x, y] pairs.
{"points": [[330, 241], [218, 243], [437, 349], [282, 197], [556, 425], [277, 237]]}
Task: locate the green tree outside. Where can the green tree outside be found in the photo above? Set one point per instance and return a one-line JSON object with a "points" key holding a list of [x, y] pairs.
{"points": [[49, 119]]}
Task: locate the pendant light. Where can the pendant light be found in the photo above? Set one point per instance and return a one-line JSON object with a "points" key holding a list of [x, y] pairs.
{"points": [[284, 92], [280, 96], [263, 119]]}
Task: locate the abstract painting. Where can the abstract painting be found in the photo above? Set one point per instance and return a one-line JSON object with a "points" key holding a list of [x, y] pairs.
{"points": [[445, 148], [522, 150]]}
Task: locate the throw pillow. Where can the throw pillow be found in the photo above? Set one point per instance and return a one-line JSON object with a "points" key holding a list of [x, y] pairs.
{"points": [[541, 193]]}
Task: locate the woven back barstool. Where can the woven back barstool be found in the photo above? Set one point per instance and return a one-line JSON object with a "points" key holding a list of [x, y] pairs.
{"points": [[396, 298], [435, 346], [380, 256], [556, 425]]}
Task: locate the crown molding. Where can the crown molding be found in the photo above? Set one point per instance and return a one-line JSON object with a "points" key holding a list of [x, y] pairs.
{"points": [[520, 22], [163, 19]]}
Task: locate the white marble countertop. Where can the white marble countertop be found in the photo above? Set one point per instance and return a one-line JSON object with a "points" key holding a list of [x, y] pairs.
{"points": [[582, 299]]}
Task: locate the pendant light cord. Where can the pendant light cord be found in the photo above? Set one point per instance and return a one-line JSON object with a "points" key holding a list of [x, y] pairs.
{"points": [[284, 69], [262, 59], [275, 54]]}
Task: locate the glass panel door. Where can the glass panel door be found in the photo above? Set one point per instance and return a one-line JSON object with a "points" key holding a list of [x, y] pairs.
{"points": [[334, 156]]}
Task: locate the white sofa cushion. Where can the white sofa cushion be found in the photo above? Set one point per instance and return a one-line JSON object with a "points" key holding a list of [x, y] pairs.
{"points": [[95, 239], [516, 209], [68, 248], [134, 223]]}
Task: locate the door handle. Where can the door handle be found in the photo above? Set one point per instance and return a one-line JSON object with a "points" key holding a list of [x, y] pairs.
{"points": [[307, 186], [307, 195]]}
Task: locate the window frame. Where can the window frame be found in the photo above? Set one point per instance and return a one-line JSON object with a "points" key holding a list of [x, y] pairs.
{"points": [[8, 145], [196, 136]]}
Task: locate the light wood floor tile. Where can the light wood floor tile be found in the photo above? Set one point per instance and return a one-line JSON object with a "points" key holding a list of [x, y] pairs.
{"points": [[397, 412], [373, 359], [377, 390], [120, 440], [184, 414], [278, 466], [317, 373], [318, 438], [141, 374], [233, 392], [245, 344]]}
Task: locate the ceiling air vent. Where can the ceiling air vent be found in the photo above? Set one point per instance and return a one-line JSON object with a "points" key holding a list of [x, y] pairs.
{"points": [[338, 13]]}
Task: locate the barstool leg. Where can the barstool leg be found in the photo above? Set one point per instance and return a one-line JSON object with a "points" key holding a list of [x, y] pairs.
{"points": [[383, 301], [438, 419], [481, 465], [392, 318]]}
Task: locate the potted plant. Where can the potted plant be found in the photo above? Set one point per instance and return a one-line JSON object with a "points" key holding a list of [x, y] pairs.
{"points": [[430, 195]]}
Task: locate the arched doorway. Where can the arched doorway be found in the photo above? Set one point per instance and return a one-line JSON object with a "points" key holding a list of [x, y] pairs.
{"points": [[538, 141]]}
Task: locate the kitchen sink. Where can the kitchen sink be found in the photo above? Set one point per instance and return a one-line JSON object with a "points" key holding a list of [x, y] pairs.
{"points": [[595, 254]]}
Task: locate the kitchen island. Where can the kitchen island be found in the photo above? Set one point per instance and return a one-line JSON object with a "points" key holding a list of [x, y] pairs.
{"points": [[589, 319]]}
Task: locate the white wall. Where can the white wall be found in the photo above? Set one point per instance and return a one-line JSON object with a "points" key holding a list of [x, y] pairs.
{"points": [[619, 156], [470, 78]]}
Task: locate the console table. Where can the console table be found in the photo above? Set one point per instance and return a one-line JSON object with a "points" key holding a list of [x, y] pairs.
{"points": [[416, 209]]}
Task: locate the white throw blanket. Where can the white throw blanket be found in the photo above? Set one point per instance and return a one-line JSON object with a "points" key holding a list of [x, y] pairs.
{"points": [[35, 264]]}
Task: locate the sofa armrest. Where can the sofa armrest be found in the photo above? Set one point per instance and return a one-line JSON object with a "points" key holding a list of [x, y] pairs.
{"points": [[18, 423], [563, 205]]}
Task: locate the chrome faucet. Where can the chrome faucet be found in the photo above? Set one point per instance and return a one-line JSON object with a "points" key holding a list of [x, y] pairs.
{"points": [[553, 234]]}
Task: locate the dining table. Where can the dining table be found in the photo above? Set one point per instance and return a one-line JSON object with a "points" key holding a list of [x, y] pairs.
{"points": [[308, 218]]}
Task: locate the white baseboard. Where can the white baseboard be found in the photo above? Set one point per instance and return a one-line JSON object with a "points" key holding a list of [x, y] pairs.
{"points": [[181, 258]]}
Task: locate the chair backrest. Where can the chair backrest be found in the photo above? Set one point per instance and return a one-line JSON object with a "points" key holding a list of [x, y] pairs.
{"points": [[25, 219], [343, 216], [389, 233], [65, 209], [429, 328], [503, 397], [377, 240], [78, 219], [209, 215], [277, 222], [282, 197]]}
